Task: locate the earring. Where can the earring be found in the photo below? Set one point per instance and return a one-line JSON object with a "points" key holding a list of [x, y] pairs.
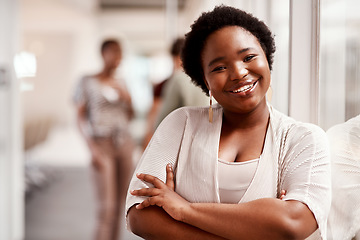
{"points": [[210, 108], [269, 94]]}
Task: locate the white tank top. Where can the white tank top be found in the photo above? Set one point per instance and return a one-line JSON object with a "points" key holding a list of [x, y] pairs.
{"points": [[234, 179]]}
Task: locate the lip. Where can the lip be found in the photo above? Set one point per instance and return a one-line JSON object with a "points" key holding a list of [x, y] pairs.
{"points": [[239, 85]]}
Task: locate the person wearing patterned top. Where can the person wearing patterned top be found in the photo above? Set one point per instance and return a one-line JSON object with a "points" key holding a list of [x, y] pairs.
{"points": [[104, 111]]}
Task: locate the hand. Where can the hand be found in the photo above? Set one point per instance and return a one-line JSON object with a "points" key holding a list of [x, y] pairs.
{"points": [[282, 194], [123, 93], [96, 155], [162, 195], [124, 96]]}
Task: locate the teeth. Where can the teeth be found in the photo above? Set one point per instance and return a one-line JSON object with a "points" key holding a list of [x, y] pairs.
{"points": [[244, 88]]}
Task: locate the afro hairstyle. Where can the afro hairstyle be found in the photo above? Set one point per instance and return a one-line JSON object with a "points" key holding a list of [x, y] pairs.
{"points": [[209, 22]]}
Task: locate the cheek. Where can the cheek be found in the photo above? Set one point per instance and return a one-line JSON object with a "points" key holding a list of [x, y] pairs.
{"points": [[212, 84], [262, 65], [216, 81]]}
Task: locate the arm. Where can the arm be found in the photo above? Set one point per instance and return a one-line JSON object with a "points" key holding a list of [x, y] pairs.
{"points": [[124, 96], [151, 121], [82, 122], [258, 219], [154, 223], [80, 100], [272, 218]]}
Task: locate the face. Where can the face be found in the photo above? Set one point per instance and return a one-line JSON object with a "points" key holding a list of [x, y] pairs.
{"points": [[236, 69], [112, 55]]}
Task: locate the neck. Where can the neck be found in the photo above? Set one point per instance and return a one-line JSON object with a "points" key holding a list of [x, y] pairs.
{"points": [[106, 73], [258, 117], [177, 63]]}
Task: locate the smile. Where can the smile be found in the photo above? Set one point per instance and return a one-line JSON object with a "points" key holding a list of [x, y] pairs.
{"points": [[245, 88]]}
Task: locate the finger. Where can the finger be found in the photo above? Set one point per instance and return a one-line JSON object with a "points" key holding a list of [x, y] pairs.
{"points": [[151, 201], [282, 194], [150, 179], [148, 192], [170, 177]]}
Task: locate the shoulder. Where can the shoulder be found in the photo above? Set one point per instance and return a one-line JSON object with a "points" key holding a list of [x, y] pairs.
{"points": [[346, 128], [179, 79], [187, 113], [190, 116], [180, 75], [344, 138], [85, 80], [294, 131]]}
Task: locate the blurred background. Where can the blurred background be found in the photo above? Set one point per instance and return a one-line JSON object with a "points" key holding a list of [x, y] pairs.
{"points": [[46, 46]]}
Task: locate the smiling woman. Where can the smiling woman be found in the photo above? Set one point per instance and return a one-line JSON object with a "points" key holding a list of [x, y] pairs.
{"points": [[182, 188]]}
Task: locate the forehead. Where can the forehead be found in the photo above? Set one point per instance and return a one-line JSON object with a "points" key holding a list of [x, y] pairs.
{"points": [[230, 36]]}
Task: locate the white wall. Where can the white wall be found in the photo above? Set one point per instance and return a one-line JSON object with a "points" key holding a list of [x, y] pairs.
{"points": [[11, 159], [63, 36], [142, 31], [304, 60]]}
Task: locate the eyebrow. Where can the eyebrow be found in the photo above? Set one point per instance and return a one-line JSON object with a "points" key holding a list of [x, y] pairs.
{"points": [[221, 58]]}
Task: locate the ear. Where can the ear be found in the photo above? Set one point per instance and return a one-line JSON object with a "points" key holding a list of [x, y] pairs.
{"points": [[206, 82]]}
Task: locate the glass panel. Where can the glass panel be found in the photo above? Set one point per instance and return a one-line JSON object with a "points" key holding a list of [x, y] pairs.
{"points": [[279, 25], [339, 102], [339, 58]]}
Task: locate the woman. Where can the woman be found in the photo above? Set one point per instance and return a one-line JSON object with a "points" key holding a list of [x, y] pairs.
{"points": [[104, 111], [226, 166]]}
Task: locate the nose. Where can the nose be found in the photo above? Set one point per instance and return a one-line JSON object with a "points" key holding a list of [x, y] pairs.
{"points": [[239, 71]]}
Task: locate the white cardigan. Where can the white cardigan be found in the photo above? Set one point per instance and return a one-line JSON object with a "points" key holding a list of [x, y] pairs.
{"points": [[295, 158]]}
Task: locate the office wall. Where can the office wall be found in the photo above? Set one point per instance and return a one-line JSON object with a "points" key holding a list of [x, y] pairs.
{"points": [[62, 35], [11, 164]]}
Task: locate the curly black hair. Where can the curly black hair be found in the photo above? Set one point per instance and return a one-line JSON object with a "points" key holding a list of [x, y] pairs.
{"points": [[209, 22]]}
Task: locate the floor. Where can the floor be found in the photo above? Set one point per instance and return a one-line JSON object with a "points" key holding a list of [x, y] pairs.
{"points": [[64, 207], [61, 203]]}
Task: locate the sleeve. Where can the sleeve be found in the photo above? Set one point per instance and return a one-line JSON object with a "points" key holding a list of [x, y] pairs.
{"points": [[163, 148], [305, 171], [80, 96]]}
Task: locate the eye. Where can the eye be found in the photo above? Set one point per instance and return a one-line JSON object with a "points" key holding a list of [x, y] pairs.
{"points": [[249, 58], [218, 69]]}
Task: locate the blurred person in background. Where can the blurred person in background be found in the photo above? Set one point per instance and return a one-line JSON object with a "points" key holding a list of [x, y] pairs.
{"points": [[153, 112], [175, 92], [179, 91], [104, 111], [344, 217]]}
